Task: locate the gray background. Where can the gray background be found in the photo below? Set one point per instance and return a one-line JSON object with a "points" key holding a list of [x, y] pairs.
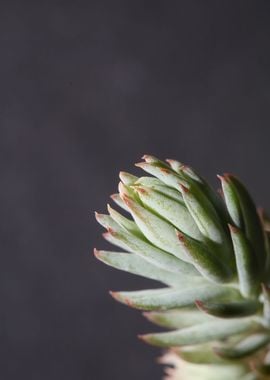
{"points": [[86, 88]]}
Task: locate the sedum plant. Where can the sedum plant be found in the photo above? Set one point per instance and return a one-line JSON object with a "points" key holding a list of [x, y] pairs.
{"points": [[211, 253]]}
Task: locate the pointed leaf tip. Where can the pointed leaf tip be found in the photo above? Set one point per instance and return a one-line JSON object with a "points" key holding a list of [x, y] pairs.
{"points": [[114, 295], [141, 337], [96, 253], [233, 229], [148, 158]]}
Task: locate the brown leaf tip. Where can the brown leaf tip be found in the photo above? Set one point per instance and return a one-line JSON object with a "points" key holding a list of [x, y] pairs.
{"points": [[184, 189], [96, 253], [147, 157], [115, 295], [233, 229], [141, 164], [142, 337]]}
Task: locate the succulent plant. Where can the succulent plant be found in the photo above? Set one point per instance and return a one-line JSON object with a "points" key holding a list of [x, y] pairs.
{"points": [[211, 252]]}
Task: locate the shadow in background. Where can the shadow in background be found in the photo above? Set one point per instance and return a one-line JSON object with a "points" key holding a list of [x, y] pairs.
{"points": [[87, 87]]}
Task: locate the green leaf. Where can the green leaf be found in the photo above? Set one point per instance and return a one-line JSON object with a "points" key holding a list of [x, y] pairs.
{"points": [[176, 319], [245, 347], [156, 184], [175, 165], [155, 229], [166, 175], [154, 160], [206, 262], [245, 263], [231, 200], [122, 221], [251, 222], [164, 299], [230, 309], [107, 222], [127, 178], [150, 253], [204, 214], [174, 212], [118, 200], [205, 332], [192, 177], [132, 263]]}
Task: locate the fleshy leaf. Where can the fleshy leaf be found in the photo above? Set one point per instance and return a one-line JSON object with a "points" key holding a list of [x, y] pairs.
{"points": [[127, 224], [165, 175], [176, 319], [206, 262], [205, 332], [251, 221], [152, 254], [204, 214], [107, 222], [127, 178], [174, 212], [156, 184], [118, 200], [245, 263], [230, 309], [155, 229], [132, 263], [231, 200], [165, 299], [245, 347]]}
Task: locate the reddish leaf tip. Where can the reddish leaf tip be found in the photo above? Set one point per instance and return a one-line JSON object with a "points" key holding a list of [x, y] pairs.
{"points": [[265, 288], [146, 314], [184, 189], [142, 337], [140, 164], [200, 305], [233, 229], [96, 253], [146, 157], [114, 294]]}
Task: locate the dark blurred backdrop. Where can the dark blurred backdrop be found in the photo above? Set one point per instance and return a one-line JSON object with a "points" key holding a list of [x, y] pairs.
{"points": [[86, 88]]}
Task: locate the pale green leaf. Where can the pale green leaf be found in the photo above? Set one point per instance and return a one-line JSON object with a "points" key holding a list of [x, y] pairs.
{"points": [[133, 263], [164, 299], [245, 347], [205, 332], [245, 263]]}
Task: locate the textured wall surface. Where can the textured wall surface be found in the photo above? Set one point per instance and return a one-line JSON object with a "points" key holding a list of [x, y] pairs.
{"points": [[86, 88]]}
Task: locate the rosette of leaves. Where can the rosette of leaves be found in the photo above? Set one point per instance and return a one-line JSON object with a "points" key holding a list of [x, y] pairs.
{"points": [[210, 251]]}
